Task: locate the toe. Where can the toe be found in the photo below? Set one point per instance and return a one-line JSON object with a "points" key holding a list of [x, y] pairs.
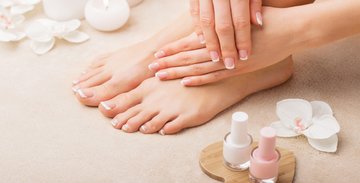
{"points": [[174, 126], [135, 122], [156, 123], [120, 103], [88, 74], [121, 119]]}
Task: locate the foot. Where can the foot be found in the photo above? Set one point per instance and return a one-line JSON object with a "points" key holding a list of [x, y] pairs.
{"points": [[168, 107], [113, 73]]}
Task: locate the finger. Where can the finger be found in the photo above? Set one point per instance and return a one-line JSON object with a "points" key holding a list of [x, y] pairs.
{"points": [[195, 15], [191, 70], [181, 59], [255, 9], [207, 21], [241, 20], [187, 43], [208, 78], [225, 31]]}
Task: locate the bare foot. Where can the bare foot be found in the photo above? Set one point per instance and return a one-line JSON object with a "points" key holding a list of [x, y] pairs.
{"points": [[114, 73], [168, 107]]}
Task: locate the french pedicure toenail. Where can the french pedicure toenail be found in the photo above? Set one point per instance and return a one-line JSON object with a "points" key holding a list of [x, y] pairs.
{"points": [[243, 54], [259, 18], [186, 81], [114, 122], [229, 63], [162, 132], [161, 74], [159, 54], [154, 66], [83, 94], [214, 56], [107, 106], [143, 128], [125, 128]]}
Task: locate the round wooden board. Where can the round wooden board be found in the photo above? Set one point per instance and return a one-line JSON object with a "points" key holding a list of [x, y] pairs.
{"points": [[211, 163]]}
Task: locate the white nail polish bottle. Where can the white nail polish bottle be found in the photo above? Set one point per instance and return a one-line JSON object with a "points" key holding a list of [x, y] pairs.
{"points": [[237, 144]]}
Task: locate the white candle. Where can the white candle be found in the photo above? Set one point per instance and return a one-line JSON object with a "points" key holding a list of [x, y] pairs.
{"points": [[64, 9], [107, 15]]}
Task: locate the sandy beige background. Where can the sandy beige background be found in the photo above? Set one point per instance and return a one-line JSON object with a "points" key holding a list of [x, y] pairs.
{"points": [[47, 136]]}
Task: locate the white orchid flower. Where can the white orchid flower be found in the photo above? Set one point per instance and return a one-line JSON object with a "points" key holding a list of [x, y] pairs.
{"points": [[17, 7], [314, 120], [9, 26], [44, 31]]}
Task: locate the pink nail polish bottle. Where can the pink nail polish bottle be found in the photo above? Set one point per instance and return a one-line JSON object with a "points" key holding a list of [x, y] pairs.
{"points": [[237, 144], [264, 159]]}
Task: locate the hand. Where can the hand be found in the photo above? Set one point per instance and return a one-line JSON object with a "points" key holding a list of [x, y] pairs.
{"points": [[272, 44], [225, 27]]}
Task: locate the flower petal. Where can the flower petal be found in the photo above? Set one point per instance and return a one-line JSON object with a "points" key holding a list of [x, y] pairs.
{"points": [[291, 109], [326, 145], [320, 108], [72, 25], [7, 36], [39, 32], [41, 48], [322, 128], [282, 131], [76, 37]]}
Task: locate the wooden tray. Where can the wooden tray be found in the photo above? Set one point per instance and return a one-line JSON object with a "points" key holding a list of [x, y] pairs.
{"points": [[211, 163]]}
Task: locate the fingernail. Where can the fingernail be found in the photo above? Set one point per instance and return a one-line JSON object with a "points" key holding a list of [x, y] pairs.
{"points": [[154, 66], [243, 55], [229, 63], [161, 74], [125, 127], [114, 122], [214, 56], [75, 82], [143, 128], [75, 89], [107, 106], [186, 81], [83, 94], [259, 18], [202, 39], [159, 54], [162, 132]]}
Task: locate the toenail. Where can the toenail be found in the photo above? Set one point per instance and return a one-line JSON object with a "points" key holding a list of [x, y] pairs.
{"points": [[75, 82], [107, 106], [186, 81], [125, 128], [159, 54], [154, 66], [161, 74], [162, 132], [114, 122], [143, 128], [82, 94]]}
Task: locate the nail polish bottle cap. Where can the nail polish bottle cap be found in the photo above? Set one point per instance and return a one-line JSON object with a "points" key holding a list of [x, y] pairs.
{"points": [[239, 135], [267, 144]]}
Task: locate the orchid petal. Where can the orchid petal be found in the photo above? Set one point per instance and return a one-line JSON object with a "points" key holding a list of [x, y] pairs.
{"points": [[39, 32], [322, 128], [76, 37], [282, 131], [7, 36], [72, 25], [320, 108], [291, 110], [325, 145], [41, 48]]}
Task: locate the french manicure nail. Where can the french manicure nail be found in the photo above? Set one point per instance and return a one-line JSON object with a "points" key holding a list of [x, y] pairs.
{"points": [[159, 54], [83, 94], [143, 128], [259, 18], [154, 66], [125, 127], [75, 89], [75, 82], [107, 106], [214, 56], [243, 55], [114, 122], [161, 74], [186, 81], [229, 63], [162, 132], [202, 39]]}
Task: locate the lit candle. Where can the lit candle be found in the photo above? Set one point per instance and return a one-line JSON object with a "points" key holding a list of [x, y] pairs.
{"points": [[107, 15], [64, 9]]}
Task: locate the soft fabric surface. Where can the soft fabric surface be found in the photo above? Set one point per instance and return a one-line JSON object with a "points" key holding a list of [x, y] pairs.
{"points": [[47, 136]]}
